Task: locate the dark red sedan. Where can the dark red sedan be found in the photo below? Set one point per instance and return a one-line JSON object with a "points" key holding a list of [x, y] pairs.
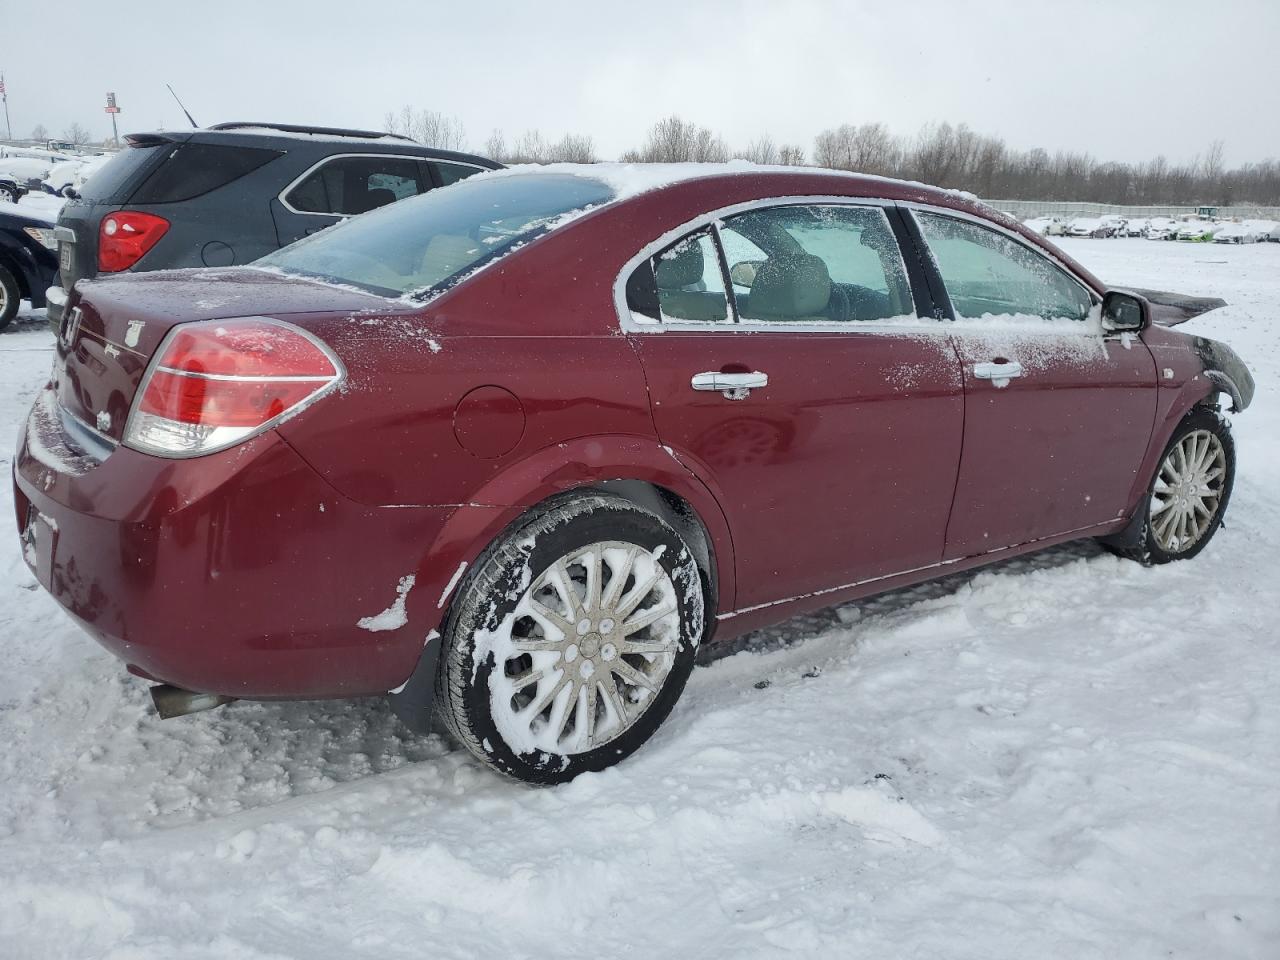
{"points": [[512, 450]]}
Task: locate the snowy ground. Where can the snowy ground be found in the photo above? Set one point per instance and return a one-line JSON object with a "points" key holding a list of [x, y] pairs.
{"points": [[1065, 757]]}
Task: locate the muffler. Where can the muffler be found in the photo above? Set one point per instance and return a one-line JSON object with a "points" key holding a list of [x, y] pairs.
{"points": [[173, 701]]}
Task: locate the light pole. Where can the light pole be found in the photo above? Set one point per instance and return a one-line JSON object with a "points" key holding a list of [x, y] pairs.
{"points": [[8, 130], [113, 110]]}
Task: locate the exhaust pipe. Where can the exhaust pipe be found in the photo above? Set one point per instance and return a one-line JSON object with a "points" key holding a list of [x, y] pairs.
{"points": [[173, 701]]}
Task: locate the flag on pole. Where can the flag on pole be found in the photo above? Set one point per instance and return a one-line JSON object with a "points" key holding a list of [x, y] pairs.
{"points": [[2, 93]]}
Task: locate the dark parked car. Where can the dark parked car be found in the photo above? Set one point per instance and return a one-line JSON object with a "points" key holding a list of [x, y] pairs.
{"points": [[233, 192], [27, 260], [524, 444]]}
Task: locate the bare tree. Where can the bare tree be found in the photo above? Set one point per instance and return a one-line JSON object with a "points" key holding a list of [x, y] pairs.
{"points": [[39, 132], [574, 148], [495, 148], [429, 127], [760, 150], [76, 134], [674, 140], [791, 155]]}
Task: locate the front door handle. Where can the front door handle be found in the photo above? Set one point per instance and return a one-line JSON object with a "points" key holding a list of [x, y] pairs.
{"points": [[734, 386], [999, 372]]}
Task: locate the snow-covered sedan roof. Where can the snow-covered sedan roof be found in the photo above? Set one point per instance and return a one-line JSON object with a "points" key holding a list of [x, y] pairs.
{"points": [[631, 179]]}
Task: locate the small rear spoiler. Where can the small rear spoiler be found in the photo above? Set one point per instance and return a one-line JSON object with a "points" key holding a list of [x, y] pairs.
{"points": [[1170, 309]]}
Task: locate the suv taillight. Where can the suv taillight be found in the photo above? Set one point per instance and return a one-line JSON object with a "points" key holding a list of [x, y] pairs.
{"points": [[124, 238], [216, 383]]}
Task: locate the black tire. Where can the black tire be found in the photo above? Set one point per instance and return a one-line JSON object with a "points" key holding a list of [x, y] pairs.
{"points": [[1139, 543], [8, 194], [488, 600], [10, 296]]}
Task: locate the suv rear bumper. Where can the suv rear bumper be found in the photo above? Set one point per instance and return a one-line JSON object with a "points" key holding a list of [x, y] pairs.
{"points": [[55, 302], [241, 573]]}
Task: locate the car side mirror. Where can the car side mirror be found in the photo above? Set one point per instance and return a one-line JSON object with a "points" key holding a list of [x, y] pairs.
{"points": [[1125, 312]]}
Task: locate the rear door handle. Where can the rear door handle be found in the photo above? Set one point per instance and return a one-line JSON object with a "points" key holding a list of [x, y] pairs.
{"points": [[999, 373], [734, 386]]}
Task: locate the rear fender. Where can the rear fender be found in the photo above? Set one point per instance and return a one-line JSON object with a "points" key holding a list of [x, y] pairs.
{"points": [[473, 526]]}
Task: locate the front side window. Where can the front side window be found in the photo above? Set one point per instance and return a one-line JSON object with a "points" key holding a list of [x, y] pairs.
{"points": [[989, 274], [347, 186], [815, 264], [428, 243]]}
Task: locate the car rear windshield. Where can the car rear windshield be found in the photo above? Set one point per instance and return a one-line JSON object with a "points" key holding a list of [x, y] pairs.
{"points": [[427, 243], [196, 168], [116, 178]]}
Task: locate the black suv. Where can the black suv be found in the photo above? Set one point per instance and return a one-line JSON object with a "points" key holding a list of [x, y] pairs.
{"points": [[234, 192]]}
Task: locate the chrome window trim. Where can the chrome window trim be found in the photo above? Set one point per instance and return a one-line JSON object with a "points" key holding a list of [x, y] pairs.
{"points": [[629, 324], [911, 207], [348, 156]]}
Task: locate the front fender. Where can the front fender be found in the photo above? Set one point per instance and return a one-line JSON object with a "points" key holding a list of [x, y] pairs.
{"points": [[1226, 370]]}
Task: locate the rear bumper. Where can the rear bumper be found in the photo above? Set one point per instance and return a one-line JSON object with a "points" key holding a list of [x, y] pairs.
{"points": [[55, 302], [242, 573]]}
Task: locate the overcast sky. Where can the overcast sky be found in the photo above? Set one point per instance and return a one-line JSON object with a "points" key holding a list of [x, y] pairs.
{"points": [[1126, 79]]}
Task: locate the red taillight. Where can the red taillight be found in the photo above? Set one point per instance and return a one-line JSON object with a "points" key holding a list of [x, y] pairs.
{"points": [[218, 382], [125, 236]]}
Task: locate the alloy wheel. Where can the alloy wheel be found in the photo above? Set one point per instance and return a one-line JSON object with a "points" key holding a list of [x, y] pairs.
{"points": [[1188, 492], [590, 644]]}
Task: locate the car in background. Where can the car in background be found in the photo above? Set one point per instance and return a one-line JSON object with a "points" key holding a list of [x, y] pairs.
{"points": [[1247, 231], [1116, 222], [27, 258], [20, 175], [1047, 226], [1137, 227], [66, 177], [234, 192], [1199, 231], [1090, 227], [1163, 228], [526, 444]]}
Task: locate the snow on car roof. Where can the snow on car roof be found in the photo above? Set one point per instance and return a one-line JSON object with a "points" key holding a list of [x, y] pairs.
{"points": [[631, 179], [44, 213]]}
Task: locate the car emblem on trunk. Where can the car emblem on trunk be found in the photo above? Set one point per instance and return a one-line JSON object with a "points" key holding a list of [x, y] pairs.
{"points": [[72, 326], [133, 332], [104, 421]]}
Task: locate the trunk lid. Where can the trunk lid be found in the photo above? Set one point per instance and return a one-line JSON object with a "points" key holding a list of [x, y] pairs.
{"points": [[113, 327]]}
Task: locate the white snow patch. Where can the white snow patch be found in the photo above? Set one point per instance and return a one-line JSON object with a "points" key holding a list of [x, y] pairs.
{"points": [[453, 582], [394, 617]]}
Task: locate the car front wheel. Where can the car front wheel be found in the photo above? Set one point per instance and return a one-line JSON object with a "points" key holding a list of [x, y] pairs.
{"points": [[572, 641], [1188, 496]]}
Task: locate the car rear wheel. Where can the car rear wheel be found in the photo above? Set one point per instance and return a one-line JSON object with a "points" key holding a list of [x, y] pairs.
{"points": [[1188, 496], [573, 640], [10, 297], [8, 194]]}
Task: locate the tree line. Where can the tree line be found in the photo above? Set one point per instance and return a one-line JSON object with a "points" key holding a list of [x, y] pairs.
{"points": [[942, 154]]}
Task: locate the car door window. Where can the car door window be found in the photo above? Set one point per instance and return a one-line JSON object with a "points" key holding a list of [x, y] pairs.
{"points": [[453, 172], [987, 273], [687, 280], [815, 264], [346, 186]]}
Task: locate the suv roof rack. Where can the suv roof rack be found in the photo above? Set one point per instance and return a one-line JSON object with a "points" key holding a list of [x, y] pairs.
{"points": [[299, 128]]}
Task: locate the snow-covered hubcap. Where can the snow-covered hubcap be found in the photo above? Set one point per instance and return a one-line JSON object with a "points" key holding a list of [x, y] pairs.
{"points": [[1188, 491], [591, 643]]}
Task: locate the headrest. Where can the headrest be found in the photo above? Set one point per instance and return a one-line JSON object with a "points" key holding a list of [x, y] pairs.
{"points": [[680, 267], [790, 287]]}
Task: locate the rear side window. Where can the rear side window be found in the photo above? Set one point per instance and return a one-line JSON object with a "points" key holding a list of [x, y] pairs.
{"points": [[817, 264], [194, 169], [689, 281], [115, 178], [452, 172], [347, 186]]}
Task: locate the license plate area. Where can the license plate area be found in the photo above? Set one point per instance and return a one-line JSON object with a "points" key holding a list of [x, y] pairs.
{"points": [[66, 256], [38, 541]]}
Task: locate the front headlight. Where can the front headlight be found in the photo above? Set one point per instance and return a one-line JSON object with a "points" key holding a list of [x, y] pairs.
{"points": [[42, 236]]}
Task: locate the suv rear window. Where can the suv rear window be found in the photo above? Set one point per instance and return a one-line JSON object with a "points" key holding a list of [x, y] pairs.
{"points": [[118, 174], [196, 168], [428, 243]]}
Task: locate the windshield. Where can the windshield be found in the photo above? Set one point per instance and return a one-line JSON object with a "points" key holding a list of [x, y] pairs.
{"points": [[426, 243]]}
